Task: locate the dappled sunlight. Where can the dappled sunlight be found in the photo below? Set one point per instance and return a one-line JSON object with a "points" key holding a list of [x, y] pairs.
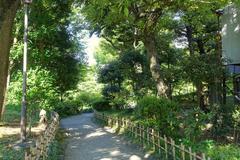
{"points": [[115, 153], [95, 134], [87, 126], [15, 130], [134, 157], [86, 141]]}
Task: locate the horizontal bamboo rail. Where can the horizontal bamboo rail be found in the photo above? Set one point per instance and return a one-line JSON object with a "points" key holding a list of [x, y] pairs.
{"points": [[41, 147], [164, 146]]}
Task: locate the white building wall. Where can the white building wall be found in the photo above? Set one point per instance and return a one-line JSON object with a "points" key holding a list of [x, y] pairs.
{"points": [[231, 34]]}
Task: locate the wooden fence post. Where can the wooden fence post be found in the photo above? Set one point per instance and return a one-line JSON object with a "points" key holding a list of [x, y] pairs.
{"points": [[136, 131], [148, 136], [173, 149], [194, 156], [143, 135], [140, 133], [190, 153], [166, 146], [203, 156], [153, 139], [159, 143], [183, 151]]}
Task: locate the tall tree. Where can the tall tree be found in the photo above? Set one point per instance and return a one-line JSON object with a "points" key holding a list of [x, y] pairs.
{"points": [[131, 21], [8, 9], [199, 26], [52, 45]]}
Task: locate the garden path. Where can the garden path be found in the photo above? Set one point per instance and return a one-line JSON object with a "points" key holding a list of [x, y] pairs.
{"points": [[88, 141]]}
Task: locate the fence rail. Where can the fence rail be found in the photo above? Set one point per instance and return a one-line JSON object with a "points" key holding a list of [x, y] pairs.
{"points": [[41, 147], [164, 146]]}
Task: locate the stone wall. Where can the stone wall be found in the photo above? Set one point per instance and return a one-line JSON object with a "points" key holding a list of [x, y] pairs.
{"points": [[41, 147]]}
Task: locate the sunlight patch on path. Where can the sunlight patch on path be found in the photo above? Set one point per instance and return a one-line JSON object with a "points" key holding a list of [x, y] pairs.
{"points": [[87, 141]]}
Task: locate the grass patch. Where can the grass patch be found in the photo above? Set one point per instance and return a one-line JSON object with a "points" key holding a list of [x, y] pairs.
{"points": [[7, 150], [57, 147], [12, 115]]}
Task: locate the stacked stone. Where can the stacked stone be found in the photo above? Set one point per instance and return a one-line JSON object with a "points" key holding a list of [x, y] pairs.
{"points": [[40, 150]]}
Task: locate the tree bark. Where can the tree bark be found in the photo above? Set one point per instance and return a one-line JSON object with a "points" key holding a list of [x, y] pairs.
{"points": [[5, 95], [189, 36], [150, 45], [8, 9]]}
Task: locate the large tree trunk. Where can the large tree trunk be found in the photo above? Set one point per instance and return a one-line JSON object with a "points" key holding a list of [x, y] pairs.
{"points": [[189, 35], [8, 10], [5, 96], [150, 44]]}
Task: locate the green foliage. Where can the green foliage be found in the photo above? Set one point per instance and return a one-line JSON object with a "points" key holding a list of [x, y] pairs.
{"points": [[129, 75], [195, 124], [222, 119], [41, 91], [9, 153], [76, 103], [101, 105], [105, 53], [56, 148], [159, 112], [201, 68], [214, 150], [111, 73], [110, 92], [68, 108], [224, 152], [12, 113], [52, 47], [155, 108], [236, 117]]}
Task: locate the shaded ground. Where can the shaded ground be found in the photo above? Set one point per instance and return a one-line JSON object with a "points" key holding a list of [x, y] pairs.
{"points": [[10, 141], [88, 141], [6, 131]]}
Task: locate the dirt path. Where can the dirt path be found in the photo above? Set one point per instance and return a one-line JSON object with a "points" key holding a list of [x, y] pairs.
{"points": [[88, 141]]}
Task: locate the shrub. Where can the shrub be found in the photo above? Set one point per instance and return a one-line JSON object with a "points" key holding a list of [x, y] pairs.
{"points": [[195, 124], [101, 105], [68, 108], [156, 108], [159, 112], [224, 152]]}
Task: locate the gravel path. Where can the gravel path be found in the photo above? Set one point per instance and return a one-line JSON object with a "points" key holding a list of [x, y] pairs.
{"points": [[88, 141]]}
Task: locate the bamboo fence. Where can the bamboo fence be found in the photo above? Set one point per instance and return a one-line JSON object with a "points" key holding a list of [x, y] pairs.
{"points": [[41, 147], [165, 147]]}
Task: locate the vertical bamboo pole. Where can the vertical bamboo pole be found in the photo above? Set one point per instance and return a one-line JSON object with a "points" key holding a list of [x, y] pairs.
{"points": [[194, 156], [173, 149], [166, 146], [153, 139], [136, 131], [183, 151], [190, 153], [143, 135], [159, 143], [203, 156], [132, 130], [140, 133], [148, 136]]}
